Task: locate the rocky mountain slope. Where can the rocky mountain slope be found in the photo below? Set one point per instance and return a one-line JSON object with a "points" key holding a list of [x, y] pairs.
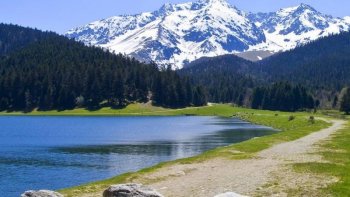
{"points": [[180, 33]]}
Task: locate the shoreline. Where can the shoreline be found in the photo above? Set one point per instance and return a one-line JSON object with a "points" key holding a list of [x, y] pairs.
{"points": [[244, 150]]}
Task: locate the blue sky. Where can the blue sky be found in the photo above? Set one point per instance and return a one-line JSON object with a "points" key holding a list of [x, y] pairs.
{"points": [[62, 15]]}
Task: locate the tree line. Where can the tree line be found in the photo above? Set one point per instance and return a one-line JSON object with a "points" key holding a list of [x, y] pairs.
{"points": [[320, 65], [223, 78], [46, 71], [58, 73], [283, 97], [345, 100], [14, 37]]}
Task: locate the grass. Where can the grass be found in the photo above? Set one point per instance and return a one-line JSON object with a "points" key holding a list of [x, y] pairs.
{"points": [[146, 109], [138, 109], [132, 110], [290, 130], [336, 152]]}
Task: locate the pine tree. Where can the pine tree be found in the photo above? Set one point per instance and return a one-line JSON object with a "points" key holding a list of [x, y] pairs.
{"points": [[345, 101], [335, 102]]}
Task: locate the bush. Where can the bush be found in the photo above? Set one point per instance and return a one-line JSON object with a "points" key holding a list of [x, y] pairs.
{"points": [[312, 119], [291, 118]]}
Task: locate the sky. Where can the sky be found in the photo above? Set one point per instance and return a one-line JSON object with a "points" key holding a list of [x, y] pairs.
{"points": [[62, 15]]}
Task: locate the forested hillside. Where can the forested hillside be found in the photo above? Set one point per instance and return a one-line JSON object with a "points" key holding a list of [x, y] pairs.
{"points": [[322, 64], [58, 73], [46, 71], [282, 96], [14, 37], [322, 67], [223, 77]]}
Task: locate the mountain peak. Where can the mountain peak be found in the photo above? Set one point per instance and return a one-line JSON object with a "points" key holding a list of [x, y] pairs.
{"points": [[305, 6], [180, 33], [296, 10], [223, 2], [166, 8]]}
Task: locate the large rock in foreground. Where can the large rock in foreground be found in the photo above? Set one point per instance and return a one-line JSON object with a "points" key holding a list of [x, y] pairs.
{"points": [[41, 193], [130, 190], [230, 194]]}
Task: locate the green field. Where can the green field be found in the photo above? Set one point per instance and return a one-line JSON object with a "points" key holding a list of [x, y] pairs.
{"points": [[291, 125], [336, 152]]}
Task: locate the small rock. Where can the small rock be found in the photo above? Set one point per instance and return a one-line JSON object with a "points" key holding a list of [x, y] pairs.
{"points": [[130, 190], [41, 193], [229, 194], [180, 173]]}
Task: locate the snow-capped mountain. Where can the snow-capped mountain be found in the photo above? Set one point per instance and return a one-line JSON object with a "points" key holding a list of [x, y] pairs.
{"points": [[347, 19], [294, 26], [180, 33]]}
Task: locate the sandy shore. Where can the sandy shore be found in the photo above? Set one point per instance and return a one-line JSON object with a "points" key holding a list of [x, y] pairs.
{"points": [[268, 174]]}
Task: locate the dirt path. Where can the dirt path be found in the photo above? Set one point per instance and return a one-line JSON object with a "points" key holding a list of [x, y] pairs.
{"points": [[266, 175]]}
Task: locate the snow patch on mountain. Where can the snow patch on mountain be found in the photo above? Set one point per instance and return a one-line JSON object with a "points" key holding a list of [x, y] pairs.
{"points": [[295, 26], [175, 34], [347, 19], [180, 33]]}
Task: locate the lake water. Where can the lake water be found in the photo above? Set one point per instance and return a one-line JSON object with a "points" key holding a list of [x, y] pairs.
{"points": [[58, 152]]}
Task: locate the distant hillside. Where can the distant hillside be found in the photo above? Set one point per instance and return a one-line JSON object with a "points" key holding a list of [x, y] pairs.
{"points": [[59, 73], [322, 64], [14, 37], [223, 76], [323, 67]]}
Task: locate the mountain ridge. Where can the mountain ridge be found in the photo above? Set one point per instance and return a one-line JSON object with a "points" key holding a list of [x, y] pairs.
{"points": [[177, 34]]}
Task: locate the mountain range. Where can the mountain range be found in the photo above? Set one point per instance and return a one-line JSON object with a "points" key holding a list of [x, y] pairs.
{"points": [[81, 76], [178, 34]]}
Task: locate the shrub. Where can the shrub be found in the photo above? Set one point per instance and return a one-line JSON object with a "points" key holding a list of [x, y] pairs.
{"points": [[312, 119], [291, 118]]}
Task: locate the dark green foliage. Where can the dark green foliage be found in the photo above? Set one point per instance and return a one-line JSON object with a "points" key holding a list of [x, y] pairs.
{"points": [[14, 37], [322, 64], [282, 96], [222, 77], [291, 118], [58, 73], [335, 102], [345, 101], [178, 94], [312, 119], [199, 97], [47, 71]]}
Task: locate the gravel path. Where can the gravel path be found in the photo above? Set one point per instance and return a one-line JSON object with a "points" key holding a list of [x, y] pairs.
{"points": [[266, 175]]}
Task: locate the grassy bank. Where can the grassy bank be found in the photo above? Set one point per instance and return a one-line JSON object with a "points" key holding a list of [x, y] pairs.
{"points": [[292, 126], [138, 109], [336, 152], [132, 109]]}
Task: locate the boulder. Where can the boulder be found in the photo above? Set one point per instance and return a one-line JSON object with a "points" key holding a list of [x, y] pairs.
{"points": [[130, 190], [41, 193], [229, 194]]}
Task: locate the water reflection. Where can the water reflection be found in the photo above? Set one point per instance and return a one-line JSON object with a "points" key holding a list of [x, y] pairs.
{"points": [[167, 148], [58, 152]]}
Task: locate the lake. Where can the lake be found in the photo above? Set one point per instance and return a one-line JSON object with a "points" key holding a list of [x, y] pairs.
{"points": [[59, 152]]}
